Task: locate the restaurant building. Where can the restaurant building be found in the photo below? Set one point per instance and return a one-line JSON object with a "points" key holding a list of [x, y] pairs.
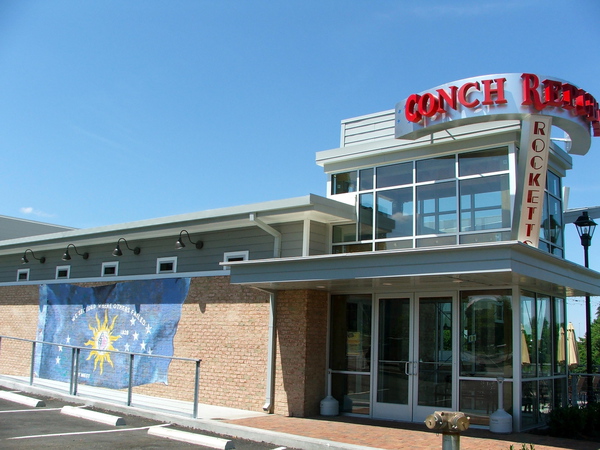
{"points": [[433, 268]]}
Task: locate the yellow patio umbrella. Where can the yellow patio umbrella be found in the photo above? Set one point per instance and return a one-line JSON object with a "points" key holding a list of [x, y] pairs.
{"points": [[560, 352], [572, 346], [524, 348]]}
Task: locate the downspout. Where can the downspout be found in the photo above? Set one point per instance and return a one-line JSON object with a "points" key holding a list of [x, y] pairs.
{"points": [[270, 380], [272, 231]]}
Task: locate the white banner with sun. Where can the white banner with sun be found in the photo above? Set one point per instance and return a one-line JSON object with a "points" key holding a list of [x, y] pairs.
{"points": [[138, 317]]}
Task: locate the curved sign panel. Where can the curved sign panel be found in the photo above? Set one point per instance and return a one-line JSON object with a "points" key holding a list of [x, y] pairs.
{"points": [[509, 96]]}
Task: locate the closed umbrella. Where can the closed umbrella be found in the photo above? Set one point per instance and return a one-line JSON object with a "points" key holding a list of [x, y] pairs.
{"points": [[572, 346], [560, 352], [524, 348]]}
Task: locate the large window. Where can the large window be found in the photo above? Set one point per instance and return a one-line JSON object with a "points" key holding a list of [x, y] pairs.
{"points": [[486, 352], [461, 198], [543, 356], [486, 324]]}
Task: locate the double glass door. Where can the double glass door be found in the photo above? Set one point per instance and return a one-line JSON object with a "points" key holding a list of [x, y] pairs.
{"points": [[414, 357]]}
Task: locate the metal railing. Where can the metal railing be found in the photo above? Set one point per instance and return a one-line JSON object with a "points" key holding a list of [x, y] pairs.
{"points": [[74, 366]]}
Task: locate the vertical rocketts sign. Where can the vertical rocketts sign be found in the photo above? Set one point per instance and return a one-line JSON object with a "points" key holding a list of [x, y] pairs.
{"points": [[535, 141], [539, 102]]}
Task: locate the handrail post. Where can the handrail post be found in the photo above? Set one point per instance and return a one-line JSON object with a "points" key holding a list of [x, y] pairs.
{"points": [[130, 387], [72, 370], [196, 387], [75, 370], [32, 363]]}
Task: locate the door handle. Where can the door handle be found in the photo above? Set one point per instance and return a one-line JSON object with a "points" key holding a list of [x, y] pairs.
{"points": [[406, 368], [414, 368]]}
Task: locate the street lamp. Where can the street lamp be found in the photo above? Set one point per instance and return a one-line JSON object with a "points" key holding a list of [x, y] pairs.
{"points": [[585, 229]]}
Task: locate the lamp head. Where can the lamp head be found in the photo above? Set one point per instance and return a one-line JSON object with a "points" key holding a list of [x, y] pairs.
{"points": [[179, 244], [585, 228]]}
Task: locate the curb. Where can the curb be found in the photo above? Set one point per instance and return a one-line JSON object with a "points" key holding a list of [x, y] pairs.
{"points": [[92, 415], [192, 438], [22, 399]]}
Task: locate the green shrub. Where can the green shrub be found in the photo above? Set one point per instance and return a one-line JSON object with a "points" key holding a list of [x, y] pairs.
{"points": [[575, 422]]}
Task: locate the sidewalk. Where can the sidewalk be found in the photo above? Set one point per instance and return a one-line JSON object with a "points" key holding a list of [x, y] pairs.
{"points": [[395, 435], [339, 433]]}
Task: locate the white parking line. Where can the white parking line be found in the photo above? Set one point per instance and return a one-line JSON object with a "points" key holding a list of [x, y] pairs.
{"points": [[119, 430]]}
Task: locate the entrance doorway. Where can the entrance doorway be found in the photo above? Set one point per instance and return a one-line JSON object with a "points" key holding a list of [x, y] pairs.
{"points": [[414, 357]]}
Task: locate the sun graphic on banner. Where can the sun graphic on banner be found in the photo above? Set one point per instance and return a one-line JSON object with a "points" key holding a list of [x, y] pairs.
{"points": [[102, 341]]}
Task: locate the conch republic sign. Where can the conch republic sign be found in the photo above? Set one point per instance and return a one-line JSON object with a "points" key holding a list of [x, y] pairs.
{"points": [[539, 102]]}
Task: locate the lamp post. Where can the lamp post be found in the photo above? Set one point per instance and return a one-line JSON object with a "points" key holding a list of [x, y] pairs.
{"points": [[585, 229]]}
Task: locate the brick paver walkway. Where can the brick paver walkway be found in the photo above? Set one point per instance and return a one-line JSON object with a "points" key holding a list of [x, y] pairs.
{"points": [[394, 435]]}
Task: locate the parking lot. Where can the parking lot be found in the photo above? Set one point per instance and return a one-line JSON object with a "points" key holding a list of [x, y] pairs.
{"points": [[53, 426]]}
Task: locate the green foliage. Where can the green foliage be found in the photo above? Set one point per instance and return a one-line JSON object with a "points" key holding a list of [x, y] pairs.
{"points": [[575, 422], [582, 349], [524, 447]]}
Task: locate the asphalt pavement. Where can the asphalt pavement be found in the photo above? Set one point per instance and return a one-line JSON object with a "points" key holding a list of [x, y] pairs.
{"points": [[65, 425]]}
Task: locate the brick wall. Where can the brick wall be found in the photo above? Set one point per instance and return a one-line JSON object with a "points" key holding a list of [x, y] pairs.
{"points": [[18, 318], [227, 327], [301, 352], [224, 325]]}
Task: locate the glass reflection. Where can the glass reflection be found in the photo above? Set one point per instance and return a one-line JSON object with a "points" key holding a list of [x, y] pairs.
{"points": [[486, 324]]}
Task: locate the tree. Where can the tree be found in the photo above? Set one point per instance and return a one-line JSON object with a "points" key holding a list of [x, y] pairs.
{"points": [[581, 347]]}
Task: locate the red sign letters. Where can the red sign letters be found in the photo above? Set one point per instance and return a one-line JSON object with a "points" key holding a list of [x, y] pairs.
{"points": [[540, 95]]}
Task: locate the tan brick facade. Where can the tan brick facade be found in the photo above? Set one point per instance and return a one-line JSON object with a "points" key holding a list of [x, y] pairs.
{"points": [[301, 352], [227, 327], [18, 318]]}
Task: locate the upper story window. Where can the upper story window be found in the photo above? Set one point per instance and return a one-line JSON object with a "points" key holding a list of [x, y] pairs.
{"points": [[344, 182], [551, 236], [446, 200]]}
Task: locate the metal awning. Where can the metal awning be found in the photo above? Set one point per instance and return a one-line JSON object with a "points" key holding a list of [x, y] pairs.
{"points": [[469, 266]]}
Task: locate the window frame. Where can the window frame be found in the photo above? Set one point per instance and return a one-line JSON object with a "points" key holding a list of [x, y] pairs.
{"points": [[25, 272], [241, 255], [109, 264], [502, 164], [60, 269], [166, 260]]}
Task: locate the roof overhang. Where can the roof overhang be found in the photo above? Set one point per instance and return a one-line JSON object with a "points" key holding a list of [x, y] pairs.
{"points": [[310, 207], [455, 267]]}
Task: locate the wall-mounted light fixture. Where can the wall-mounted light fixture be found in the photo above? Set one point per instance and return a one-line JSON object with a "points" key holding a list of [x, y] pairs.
{"points": [[66, 256], [117, 251], [179, 244], [24, 259]]}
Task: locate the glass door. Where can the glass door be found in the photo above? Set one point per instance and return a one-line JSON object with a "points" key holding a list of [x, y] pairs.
{"points": [[394, 357], [434, 357], [414, 369]]}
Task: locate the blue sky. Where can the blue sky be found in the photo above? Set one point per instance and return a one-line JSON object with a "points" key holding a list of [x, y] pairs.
{"points": [[116, 111]]}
